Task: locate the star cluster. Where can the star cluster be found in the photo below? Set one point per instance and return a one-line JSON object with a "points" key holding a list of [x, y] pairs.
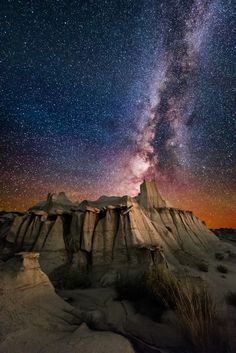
{"points": [[97, 95]]}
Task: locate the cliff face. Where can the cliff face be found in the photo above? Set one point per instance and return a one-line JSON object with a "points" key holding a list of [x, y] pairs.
{"points": [[112, 231], [149, 196]]}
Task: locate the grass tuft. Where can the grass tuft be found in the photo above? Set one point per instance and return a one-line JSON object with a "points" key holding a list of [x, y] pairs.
{"points": [[203, 267], [138, 292], [219, 256], [195, 307], [66, 278], [163, 284], [222, 269]]}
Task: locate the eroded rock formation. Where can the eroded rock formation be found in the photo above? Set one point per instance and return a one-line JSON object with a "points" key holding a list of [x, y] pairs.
{"points": [[110, 232], [34, 319]]}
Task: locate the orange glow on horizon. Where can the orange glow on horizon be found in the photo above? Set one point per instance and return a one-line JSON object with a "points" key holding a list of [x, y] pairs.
{"points": [[215, 216]]}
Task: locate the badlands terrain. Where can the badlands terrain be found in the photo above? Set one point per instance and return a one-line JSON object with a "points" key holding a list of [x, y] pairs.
{"points": [[88, 277]]}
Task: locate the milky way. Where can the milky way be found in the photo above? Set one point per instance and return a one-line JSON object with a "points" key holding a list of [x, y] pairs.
{"points": [[97, 95], [162, 136]]}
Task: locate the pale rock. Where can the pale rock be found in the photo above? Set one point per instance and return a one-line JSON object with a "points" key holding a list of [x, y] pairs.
{"points": [[149, 196], [112, 232], [34, 319], [55, 204]]}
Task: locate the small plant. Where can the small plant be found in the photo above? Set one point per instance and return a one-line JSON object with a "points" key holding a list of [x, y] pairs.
{"points": [[132, 289], [163, 284], [201, 326], [219, 256], [77, 279], [200, 323], [231, 298], [222, 269], [137, 291], [67, 278], [203, 267]]}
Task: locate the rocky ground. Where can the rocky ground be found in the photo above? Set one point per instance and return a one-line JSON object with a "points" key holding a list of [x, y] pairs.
{"points": [[72, 275], [36, 319]]}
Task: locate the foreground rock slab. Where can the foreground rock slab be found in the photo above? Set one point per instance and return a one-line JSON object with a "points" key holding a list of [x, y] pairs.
{"points": [[34, 319], [101, 309]]}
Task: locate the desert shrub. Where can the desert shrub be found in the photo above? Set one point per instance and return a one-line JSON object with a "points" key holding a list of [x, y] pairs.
{"points": [[137, 291], [202, 266], [219, 256], [232, 255], [66, 278], [200, 323], [77, 279], [231, 298], [222, 269], [195, 309], [163, 284], [132, 288]]}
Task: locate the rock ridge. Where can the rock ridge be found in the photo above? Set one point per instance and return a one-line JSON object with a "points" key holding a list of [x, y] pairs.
{"points": [[109, 232]]}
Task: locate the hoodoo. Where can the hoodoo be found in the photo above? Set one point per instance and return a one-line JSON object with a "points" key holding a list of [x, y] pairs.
{"points": [[149, 196], [55, 203], [112, 232]]}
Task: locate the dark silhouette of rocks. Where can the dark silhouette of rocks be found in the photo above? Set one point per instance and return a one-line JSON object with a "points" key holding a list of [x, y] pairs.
{"points": [[225, 233]]}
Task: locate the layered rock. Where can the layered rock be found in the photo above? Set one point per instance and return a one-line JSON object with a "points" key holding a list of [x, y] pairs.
{"points": [[34, 319], [110, 232], [55, 204], [149, 196]]}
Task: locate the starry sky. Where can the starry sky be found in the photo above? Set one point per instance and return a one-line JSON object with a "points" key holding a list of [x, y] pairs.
{"points": [[95, 96]]}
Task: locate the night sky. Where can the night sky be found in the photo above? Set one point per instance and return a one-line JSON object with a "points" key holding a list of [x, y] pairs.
{"points": [[95, 96]]}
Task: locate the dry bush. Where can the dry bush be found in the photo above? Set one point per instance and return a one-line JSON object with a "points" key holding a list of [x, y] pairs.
{"points": [[138, 292], [163, 284], [132, 289], [222, 269], [219, 256], [66, 278], [202, 266], [77, 279], [201, 326]]}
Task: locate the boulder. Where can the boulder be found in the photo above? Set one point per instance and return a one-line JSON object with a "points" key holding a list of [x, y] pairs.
{"points": [[34, 319]]}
